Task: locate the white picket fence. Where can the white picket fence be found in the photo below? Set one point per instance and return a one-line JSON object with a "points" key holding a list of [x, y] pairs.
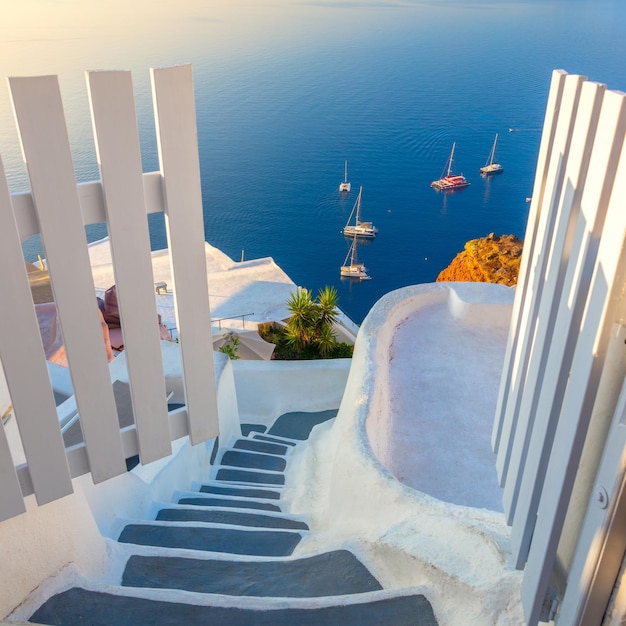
{"points": [[59, 209], [558, 428]]}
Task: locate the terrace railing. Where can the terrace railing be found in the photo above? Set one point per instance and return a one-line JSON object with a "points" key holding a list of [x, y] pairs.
{"points": [[58, 209]]}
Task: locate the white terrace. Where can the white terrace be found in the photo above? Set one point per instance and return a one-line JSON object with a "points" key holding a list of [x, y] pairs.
{"points": [[404, 476]]}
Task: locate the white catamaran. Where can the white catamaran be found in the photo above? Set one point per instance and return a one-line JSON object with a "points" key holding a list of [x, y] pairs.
{"points": [[345, 185], [359, 228], [491, 167], [354, 269]]}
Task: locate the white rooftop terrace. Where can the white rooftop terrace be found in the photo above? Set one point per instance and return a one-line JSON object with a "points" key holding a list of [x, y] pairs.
{"points": [[445, 364], [256, 289]]}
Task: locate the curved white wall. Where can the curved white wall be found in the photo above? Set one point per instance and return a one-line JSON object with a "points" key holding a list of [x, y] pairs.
{"points": [[411, 538]]}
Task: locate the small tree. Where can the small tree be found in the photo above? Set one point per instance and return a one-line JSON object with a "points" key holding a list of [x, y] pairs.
{"points": [[301, 325], [325, 341], [231, 348], [309, 333], [327, 311], [311, 322]]}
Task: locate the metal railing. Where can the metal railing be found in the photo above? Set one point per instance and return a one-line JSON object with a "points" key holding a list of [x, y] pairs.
{"points": [[243, 316]]}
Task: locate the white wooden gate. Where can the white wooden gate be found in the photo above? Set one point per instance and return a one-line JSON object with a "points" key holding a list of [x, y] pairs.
{"points": [[59, 209], [568, 310]]}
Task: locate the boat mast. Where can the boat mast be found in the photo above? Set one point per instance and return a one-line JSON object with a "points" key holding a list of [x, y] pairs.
{"points": [[345, 171], [358, 206], [492, 156], [451, 159]]}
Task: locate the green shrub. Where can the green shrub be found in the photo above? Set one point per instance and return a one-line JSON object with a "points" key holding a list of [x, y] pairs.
{"points": [[309, 330]]}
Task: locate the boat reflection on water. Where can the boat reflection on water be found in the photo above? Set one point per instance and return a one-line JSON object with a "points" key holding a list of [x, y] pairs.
{"points": [[354, 269]]}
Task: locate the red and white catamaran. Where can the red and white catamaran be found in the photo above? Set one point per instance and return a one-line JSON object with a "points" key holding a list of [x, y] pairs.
{"points": [[448, 180]]}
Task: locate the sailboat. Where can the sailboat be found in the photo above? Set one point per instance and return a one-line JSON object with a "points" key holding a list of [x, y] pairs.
{"points": [[448, 180], [345, 185], [354, 269], [491, 167], [359, 228]]}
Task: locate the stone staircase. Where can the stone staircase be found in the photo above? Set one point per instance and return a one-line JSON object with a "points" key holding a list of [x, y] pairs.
{"points": [[222, 554]]}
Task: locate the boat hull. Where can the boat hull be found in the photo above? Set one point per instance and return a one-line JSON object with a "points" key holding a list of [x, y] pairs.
{"points": [[359, 231], [489, 170], [448, 183], [357, 270], [344, 187]]}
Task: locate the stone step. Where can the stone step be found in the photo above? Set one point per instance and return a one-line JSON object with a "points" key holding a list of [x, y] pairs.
{"points": [[253, 460], [298, 425], [329, 574], [250, 477], [81, 607], [254, 445], [214, 500], [211, 539], [246, 429], [236, 490], [271, 439], [236, 518]]}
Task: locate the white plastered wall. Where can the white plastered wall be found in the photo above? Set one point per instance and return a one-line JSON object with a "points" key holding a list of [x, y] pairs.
{"points": [[267, 389], [458, 556]]}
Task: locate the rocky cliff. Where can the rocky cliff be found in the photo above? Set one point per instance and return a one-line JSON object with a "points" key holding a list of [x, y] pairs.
{"points": [[491, 259]]}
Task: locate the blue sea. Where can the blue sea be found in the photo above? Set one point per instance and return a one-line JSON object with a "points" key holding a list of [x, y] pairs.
{"points": [[287, 90]]}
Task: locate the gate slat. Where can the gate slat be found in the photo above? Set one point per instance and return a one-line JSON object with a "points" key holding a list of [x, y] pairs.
{"points": [[178, 156], [25, 370], [11, 501], [537, 268], [602, 543], [502, 427], [117, 146], [45, 144]]}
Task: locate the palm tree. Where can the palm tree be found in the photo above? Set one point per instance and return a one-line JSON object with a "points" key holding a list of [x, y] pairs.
{"points": [[302, 322], [325, 341], [310, 326], [327, 299]]}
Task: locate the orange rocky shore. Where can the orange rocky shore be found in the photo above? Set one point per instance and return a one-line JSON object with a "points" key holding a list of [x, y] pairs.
{"points": [[491, 259]]}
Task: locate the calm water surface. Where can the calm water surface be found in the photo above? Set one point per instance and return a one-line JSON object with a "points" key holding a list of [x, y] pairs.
{"points": [[287, 90]]}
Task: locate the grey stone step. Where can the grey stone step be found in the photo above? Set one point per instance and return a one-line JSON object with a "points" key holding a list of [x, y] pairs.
{"points": [[250, 477], [244, 492], [330, 574], [257, 437], [254, 445], [299, 425], [236, 518], [253, 460], [246, 429], [228, 540], [242, 503], [80, 607]]}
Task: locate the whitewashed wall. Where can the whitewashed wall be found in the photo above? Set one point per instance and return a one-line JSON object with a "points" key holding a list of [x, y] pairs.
{"points": [[266, 389]]}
